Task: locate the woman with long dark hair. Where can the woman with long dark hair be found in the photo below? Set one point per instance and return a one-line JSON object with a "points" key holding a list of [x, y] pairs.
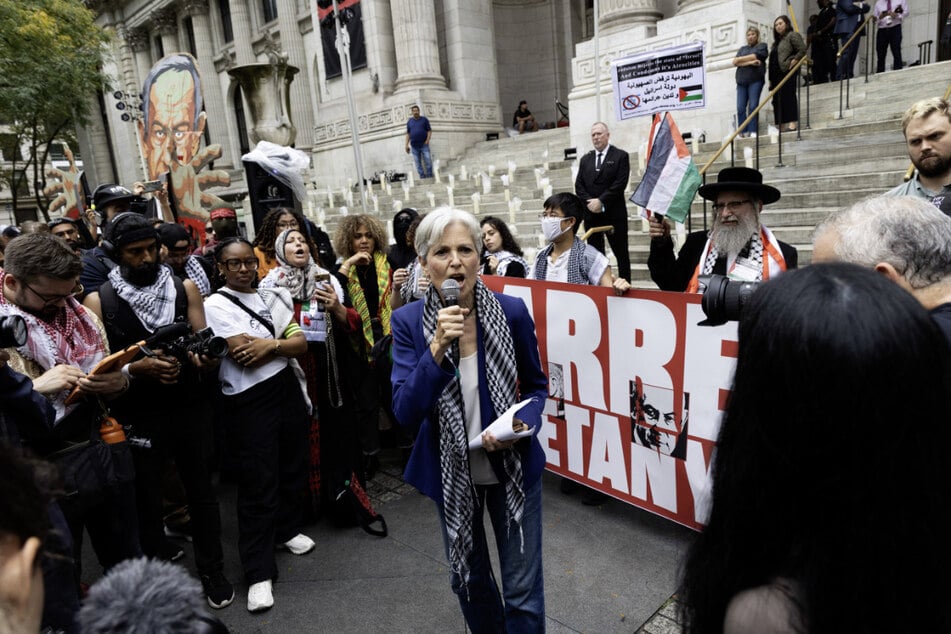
{"points": [[456, 368], [501, 254], [788, 48], [830, 499], [266, 406]]}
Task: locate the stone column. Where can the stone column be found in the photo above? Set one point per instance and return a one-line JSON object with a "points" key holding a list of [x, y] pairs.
{"points": [[166, 25], [417, 51], [470, 48], [292, 44], [211, 86], [138, 40], [617, 15], [241, 26]]}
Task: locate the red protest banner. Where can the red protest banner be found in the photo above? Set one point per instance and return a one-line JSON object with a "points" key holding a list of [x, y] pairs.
{"points": [[636, 391]]}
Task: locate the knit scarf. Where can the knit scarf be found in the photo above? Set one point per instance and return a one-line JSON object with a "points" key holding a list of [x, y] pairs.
{"points": [[70, 338], [502, 377], [154, 305], [577, 264], [772, 263], [360, 302]]}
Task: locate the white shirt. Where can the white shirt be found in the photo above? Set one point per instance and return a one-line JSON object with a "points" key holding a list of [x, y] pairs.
{"points": [[479, 465], [887, 22], [228, 320], [558, 269]]}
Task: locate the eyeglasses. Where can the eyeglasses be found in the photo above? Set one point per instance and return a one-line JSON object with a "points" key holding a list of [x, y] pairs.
{"points": [[732, 206], [550, 214], [287, 225], [52, 299], [235, 265]]}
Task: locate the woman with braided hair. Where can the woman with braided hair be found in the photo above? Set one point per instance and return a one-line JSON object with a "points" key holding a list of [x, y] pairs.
{"points": [[457, 367]]}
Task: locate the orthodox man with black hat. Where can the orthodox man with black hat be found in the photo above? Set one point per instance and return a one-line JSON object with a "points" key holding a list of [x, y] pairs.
{"points": [[738, 245]]}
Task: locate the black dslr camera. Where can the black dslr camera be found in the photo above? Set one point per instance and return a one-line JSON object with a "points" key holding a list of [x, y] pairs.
{"points": [[12, 331], [178, 340], [724, 299]]}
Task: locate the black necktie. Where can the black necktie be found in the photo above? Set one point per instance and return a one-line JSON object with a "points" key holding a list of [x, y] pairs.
{"points": [[597, 162]]}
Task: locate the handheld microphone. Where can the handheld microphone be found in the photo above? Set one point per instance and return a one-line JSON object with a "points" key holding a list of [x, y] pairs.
{"points": [[450, 297], [450, 292]]}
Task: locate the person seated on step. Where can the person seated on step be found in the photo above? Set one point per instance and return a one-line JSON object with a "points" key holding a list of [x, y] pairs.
{"points": [[523, 120]]}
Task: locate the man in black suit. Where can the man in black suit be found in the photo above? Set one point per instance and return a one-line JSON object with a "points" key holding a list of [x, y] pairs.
{"points": [[602, 177], [738, 246]]}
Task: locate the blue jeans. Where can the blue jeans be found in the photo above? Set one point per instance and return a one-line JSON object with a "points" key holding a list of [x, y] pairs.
{"points": [[521, 567], [423, 160], [747, 98]]}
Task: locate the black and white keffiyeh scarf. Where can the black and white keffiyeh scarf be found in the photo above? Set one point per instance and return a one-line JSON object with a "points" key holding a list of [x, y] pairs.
{"points": [[577, 264], [196, 273], [502, 377], [154, 305], [505, 258], [753, 251]]}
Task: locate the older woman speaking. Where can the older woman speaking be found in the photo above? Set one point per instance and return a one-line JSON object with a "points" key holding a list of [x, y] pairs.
{"points": [[457, 366]]}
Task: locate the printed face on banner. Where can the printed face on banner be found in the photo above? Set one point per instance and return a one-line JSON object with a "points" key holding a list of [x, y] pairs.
{"points": [[655, 422]]}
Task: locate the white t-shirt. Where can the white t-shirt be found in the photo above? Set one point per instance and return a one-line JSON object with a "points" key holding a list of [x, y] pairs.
{"points": [[479, 465], [228, 320], [558, 270]]}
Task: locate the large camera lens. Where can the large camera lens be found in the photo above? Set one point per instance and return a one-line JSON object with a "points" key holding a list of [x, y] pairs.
{"points": [[724, 299], [12, 331]]}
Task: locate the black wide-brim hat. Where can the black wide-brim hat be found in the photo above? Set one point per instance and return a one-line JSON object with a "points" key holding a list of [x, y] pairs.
{"points": [[740, 179]]}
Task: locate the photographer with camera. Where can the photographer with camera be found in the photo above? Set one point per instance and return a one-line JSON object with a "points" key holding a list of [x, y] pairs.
{"points": [[39, 284], [164, 402], [738, 246]]}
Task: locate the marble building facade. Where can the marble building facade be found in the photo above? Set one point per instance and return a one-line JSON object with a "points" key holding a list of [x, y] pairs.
{"points": [[467, 63]]}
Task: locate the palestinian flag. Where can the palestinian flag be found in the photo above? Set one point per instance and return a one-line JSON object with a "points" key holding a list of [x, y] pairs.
{"points": [[671, 178], [691, 93]]}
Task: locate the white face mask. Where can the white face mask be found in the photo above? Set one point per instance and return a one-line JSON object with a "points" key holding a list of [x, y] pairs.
{"points": [[551, 228]]}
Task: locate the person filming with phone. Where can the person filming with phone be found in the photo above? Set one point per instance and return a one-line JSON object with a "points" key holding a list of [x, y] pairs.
{"points": [[327, 319]]}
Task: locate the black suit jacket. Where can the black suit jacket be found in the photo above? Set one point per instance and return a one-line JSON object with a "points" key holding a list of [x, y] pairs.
{"points": [[673, 274], [607, 184]]}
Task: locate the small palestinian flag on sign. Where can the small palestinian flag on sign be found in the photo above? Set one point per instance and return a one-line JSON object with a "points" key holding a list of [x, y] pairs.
{"points": [[691, 93]]}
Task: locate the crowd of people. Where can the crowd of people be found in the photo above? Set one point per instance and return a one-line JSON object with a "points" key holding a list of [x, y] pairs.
{"points": [[289, 362]]}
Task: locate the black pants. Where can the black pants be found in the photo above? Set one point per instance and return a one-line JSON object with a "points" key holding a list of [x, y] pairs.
{"points": [[823, 57], [617, 239], [183, 433], [270, 422], [889, 38]]}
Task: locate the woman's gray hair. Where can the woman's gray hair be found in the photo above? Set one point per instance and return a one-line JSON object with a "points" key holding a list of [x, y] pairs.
{"points": [[909, 233], [434, 225]]}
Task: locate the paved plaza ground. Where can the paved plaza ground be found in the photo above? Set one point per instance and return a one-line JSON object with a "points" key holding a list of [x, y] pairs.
{"points": [[609, 568]]}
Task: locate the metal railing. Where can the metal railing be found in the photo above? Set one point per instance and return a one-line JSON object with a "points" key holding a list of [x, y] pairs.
{"points": [[868, 61], [793, 73]]}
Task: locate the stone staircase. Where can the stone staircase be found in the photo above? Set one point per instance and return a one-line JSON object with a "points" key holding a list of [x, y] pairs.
{"points": [[834, 163]]}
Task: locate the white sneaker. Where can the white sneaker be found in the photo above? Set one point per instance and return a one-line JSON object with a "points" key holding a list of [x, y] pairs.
{"points": [[260, 596], [299, 544]]}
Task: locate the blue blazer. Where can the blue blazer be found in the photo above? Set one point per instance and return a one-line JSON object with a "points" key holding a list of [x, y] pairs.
{"points": [[418, 382]]}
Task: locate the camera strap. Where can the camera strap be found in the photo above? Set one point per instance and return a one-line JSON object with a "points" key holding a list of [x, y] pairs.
{"points": [[237, 302]]}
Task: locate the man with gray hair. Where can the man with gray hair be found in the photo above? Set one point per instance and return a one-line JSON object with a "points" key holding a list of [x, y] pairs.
{"points": [[927, 128], [904, 238]]}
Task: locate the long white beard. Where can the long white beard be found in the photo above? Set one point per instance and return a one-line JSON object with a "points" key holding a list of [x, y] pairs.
{"points": [[732, 239]]}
